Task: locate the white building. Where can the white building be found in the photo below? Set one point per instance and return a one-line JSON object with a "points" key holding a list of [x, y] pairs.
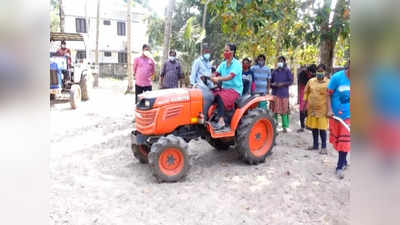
{"points": [[80, 17]]}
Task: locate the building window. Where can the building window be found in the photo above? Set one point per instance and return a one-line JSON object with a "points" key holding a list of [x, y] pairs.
{"points": [[122, 57], [80, 25], [107, 54], [121, 28], [107, 22], [81, 54]]}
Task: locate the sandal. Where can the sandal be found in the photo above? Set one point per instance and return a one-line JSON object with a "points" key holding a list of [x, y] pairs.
{"points": [[217, 126]]}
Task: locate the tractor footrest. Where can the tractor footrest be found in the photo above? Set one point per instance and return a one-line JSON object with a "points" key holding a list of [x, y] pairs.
{"points": [[226, 129]]}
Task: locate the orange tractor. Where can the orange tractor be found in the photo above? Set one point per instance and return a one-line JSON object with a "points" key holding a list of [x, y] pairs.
{"points": [[166, 120]]}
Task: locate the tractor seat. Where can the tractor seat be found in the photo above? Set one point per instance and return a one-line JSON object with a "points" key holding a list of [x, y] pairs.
{"points": [[243, 100], [246, 96]]}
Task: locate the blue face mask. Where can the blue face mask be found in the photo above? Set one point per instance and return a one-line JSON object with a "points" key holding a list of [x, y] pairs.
{"points": [[207, 56], [320, 76]]}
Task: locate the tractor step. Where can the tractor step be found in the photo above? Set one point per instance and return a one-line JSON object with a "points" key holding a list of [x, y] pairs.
{"points": [[224, 130]]}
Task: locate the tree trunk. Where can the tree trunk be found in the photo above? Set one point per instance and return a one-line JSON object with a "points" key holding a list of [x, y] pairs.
{"points": [[327, 47], [167, 29], [96, 77], [330, 36], [203, 25], [129, 51], [61, 13]]}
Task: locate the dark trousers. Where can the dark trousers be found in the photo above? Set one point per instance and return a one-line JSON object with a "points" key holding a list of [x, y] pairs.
{"points": [[220, 107], [139, 90], [342, 161], [303, 116], [316, 133]]}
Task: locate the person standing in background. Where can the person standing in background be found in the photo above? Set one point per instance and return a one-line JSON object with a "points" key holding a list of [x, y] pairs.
{"points": [[249, 76], [304, 77], [201, 66], [281, 79], [315, 94], [262, 77], [171, 73], [143, 70]]}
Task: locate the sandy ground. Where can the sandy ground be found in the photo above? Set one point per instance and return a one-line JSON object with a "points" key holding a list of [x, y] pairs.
{"points": [[96, 180]]}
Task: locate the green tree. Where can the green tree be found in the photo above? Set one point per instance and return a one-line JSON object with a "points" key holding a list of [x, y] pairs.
{"points": [[54, 16], [191, 35]]}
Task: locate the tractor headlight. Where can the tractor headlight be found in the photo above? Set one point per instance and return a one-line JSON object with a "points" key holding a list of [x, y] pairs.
{"points": [[145, 103]]}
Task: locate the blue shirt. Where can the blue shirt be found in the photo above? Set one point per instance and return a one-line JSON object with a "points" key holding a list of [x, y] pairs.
{"points": [[200, 67], [236, 83], [340, 99], [261, 76], [384, 85]]}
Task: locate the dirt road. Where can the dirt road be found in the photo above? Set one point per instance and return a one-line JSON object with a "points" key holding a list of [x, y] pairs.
{"points": [[96, 181]]}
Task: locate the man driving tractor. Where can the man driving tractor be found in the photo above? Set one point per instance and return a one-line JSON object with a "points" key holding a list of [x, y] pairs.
{"points": [[64, 51]]}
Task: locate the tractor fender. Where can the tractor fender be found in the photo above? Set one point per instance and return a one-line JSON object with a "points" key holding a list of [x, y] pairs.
{"points": [[237, 116]]}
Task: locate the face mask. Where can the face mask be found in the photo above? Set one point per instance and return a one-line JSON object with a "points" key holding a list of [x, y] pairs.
{"points": [[227, 55], [280, 64], [207, 56], [147, 53], [320, 76], [171, 58], [261, 63], [63, 46]]}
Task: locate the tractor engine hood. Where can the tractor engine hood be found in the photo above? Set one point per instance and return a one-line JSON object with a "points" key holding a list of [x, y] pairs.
{"points": [[166, 96]]}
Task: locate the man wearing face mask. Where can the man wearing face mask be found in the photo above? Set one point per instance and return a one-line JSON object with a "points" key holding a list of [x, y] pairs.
{"points": [[143, 70], [201, 66], [171, 72], [281, 79]]}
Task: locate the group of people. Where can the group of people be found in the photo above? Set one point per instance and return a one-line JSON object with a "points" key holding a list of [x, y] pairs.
{"points": [[321, 98], [325, 104], [231, 73]]}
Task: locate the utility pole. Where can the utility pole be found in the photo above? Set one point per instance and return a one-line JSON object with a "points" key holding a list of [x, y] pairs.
{"points": [[204, 24], [129, 51], [87, 45], [96, 78]]}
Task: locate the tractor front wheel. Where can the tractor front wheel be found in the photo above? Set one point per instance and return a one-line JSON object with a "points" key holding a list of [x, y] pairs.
{"points": [[75, 96], [169, 159], [84, 88], [256, 136]]}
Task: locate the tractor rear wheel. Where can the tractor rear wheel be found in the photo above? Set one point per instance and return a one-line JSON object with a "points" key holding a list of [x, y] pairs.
{"points": [[169, 159], [256, 136], [141, 153]]}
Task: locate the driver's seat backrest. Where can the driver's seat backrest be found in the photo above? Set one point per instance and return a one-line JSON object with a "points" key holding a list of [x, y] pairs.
{"points": [[246, 87]]}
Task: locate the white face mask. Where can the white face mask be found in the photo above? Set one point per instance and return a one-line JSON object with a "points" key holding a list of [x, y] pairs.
{"points": [[147, 53], [280, 64], [171, 58]]}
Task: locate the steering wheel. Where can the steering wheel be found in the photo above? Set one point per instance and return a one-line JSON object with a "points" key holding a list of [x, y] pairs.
{"points": [[206, 80]]}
